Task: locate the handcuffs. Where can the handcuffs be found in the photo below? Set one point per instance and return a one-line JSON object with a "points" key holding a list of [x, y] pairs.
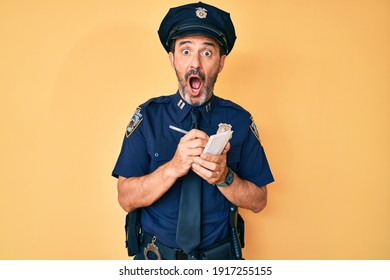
{"points": [[151, 247]]}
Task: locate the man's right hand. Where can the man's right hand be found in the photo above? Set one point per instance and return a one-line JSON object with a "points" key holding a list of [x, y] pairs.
{"points": [[190, 146]]}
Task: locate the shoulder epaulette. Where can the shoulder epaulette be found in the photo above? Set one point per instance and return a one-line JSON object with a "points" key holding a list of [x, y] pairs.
{"points": [[161, 99], [228, 103]]}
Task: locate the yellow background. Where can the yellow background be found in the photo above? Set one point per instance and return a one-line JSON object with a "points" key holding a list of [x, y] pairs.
{"points": [[314, 74]]}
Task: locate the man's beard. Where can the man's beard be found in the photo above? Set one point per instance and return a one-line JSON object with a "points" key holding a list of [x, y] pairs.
{"points": [[208, 88]]}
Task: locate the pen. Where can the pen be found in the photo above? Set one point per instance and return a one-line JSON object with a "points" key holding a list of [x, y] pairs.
{"points": [[178, 129]]}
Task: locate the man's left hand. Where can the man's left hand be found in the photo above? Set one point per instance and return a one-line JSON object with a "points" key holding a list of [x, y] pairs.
{"points": [[212, 168]]}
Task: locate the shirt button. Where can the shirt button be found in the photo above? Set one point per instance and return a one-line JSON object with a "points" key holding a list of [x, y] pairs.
{"points": [[156, 154]]}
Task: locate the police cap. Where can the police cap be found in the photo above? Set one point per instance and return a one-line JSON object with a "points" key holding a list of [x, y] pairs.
{"points": [[197, 19]]}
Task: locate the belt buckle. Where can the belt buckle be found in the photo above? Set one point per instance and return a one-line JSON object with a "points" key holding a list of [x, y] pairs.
{"points": [[151, 247]]}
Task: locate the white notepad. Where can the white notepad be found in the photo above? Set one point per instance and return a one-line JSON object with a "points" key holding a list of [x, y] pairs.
{"points": [[217, 143]]}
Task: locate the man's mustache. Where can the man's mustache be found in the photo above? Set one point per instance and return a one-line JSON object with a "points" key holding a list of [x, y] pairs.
{"points": [[195, 73]]}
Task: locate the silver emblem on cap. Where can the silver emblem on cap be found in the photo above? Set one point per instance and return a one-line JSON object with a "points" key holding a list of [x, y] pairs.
{"points": [[201, 12]]}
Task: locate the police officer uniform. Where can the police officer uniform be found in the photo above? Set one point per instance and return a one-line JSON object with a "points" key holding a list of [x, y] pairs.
{"points": [[149, 143]]}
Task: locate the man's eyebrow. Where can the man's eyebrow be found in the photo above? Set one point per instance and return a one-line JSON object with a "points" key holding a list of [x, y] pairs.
{"points": [[185, 42], [211, 43]]}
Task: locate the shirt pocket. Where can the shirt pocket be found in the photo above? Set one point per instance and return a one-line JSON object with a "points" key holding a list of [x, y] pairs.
{"points": [[233, 158], [160, 153]]}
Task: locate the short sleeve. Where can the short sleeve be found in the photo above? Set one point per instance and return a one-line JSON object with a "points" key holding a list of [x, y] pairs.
{"points": [[133, 159], [253, 164]]}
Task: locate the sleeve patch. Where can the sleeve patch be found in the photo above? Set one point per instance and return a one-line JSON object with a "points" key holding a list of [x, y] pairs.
{"points": [[253, 127], [134, 122]]}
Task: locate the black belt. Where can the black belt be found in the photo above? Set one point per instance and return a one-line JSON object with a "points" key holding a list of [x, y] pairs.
{"points": [[220, 251]]}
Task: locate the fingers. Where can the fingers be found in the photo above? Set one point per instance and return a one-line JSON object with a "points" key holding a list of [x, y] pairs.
{"points": [[195, 134], [211, 176], [210, 167], [190, 146], [193, 142]]}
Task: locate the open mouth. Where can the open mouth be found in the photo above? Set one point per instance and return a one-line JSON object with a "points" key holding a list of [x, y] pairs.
{"points": [[195, 80], [195, 83]]}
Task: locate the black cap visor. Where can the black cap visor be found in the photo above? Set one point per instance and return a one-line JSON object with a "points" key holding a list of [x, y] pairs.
{"points": [[184, 29]]}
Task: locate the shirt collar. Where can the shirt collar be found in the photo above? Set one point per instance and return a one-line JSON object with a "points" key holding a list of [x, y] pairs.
{"points": [[182, 108]]}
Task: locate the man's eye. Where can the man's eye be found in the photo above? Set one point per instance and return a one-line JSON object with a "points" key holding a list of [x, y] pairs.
{"points": [[207, 53], [185, 51]]}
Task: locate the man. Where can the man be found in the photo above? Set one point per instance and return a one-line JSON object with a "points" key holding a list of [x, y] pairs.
{"points": [[183, 196]]}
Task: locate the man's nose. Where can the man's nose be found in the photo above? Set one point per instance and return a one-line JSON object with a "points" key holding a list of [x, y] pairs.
{"points": [[195, 62]]}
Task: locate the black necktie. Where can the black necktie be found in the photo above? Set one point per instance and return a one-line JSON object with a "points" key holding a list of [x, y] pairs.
{"points": [[188, 224], [195, 118]]}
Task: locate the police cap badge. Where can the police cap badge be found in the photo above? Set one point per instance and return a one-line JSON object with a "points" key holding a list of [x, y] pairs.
{"points": [[201, 12]]}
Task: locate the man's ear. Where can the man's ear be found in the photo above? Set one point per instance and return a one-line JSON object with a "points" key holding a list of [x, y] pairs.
{"points": [[221, 63], [172, 59]]}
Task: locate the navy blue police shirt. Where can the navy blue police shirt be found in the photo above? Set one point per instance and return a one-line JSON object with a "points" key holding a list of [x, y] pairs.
{"points": [[149, 143]]}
